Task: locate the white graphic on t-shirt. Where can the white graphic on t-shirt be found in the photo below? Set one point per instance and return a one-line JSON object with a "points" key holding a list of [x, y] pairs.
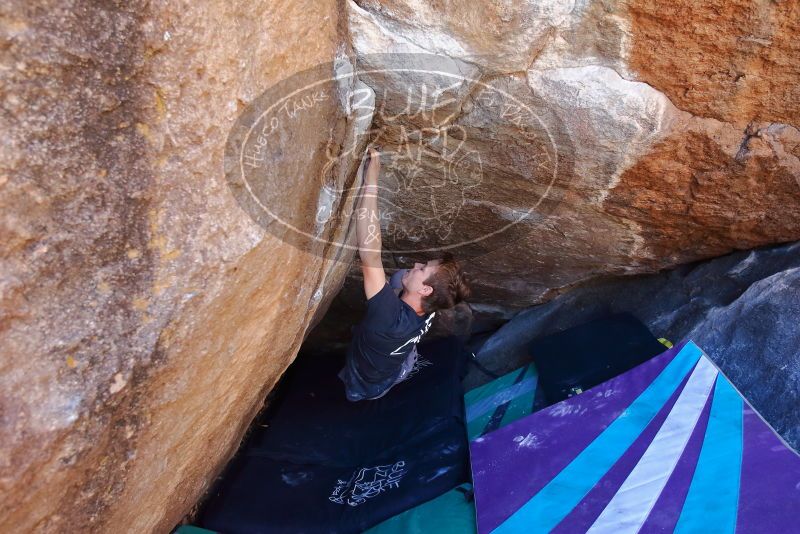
{"points": [[419, 364], [368, 482], [416, 338]]}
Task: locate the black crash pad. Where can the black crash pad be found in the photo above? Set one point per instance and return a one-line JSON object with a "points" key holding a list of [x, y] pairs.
{"points": [[315, 423], [584, 356], [323, 464], [263, 495]]}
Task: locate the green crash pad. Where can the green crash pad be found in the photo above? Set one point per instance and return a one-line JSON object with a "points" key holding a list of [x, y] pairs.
{"points": [[501, 401], [190, 529], [450, 513]]}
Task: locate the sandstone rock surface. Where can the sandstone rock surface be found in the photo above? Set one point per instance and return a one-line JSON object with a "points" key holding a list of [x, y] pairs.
{"points": [[143, 314], [674, 132]]}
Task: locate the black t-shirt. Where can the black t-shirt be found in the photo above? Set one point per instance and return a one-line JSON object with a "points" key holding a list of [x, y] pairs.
{"points": [[381, 343]]}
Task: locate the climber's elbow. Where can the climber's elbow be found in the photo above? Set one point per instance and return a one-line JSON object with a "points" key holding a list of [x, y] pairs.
{"points": [[370, 257]]}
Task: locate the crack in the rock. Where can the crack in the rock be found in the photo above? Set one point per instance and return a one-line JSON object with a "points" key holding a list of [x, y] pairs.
{"points": [[750, 131]]}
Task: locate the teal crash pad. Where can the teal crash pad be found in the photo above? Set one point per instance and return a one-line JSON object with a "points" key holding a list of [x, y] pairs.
{"points": [[450, 513], [501, 401]]}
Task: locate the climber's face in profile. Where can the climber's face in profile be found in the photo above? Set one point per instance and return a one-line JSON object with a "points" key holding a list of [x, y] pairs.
{"points": [[413, 280]]}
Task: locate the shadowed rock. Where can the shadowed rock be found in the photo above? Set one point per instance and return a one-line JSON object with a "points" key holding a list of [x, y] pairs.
{"points": [[742, 309]]}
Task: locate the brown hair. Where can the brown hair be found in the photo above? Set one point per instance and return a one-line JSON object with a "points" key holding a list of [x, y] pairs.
{"points": [[449, 286]]}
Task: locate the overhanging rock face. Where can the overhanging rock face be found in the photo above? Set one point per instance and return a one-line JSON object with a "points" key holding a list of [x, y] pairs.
{"points": [[674, 131]]}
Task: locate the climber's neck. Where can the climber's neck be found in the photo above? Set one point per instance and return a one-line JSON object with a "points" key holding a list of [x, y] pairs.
{"points": [[414, 300]]}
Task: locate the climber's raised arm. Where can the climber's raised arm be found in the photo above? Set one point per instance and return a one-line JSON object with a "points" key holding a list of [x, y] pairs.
{"points": [[368, 228], [383, 351]]}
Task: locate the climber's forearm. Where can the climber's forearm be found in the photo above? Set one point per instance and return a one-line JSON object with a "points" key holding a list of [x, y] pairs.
{"points": [[368, 227], [368, 224]]}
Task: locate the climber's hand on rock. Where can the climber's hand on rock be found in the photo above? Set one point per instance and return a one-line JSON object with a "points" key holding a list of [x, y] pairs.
{"points": [[374, 156]]}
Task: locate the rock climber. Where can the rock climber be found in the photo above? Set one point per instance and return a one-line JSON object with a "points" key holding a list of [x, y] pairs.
{"points": [[383, 350]]}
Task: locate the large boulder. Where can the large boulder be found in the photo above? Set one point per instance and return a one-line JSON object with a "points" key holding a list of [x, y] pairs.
{"points": [[144, 314], [618, 137]]}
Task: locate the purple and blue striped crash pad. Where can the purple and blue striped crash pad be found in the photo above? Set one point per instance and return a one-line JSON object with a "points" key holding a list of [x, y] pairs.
{"points": [[668, 446]]}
